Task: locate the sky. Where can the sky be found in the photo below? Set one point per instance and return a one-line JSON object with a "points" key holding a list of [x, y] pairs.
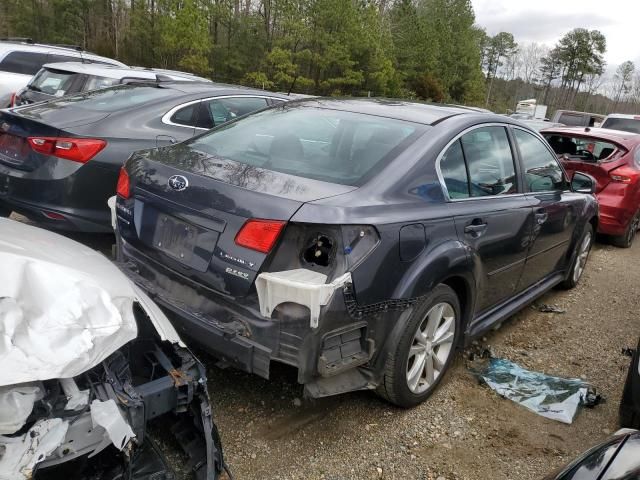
{"points": [[545, 21]]}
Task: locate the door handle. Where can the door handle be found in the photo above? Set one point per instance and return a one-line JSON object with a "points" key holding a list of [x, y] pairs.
{"points": [[541, 216], [476, 228]]}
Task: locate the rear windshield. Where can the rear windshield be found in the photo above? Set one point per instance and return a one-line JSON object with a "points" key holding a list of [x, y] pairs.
{"points": [[52, 82], [624, 124], [328, 145], [581, 148], [115, 98]]}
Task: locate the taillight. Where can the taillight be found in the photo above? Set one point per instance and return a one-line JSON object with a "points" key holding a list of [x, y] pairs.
{"points": [[75, 149], [260, 235], [623, 174], [122, 189]]}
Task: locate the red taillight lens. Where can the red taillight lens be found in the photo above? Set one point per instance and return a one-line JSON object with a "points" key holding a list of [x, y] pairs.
{"points": [[623, 174], [75, 149], [123, 184], [260, 235]]}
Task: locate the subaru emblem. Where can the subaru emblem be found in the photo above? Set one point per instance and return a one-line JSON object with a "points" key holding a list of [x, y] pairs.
{"points": [[178, 182]]}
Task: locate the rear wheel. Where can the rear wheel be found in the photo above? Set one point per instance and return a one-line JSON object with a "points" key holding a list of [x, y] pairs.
{"points": [[580, 258], [425, 350], [626, 240]]}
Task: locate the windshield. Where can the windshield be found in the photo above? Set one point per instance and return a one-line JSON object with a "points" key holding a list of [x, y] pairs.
{"points": [[328, 145], [624, 124], [52, 82], [114, 98], [581, 148]]}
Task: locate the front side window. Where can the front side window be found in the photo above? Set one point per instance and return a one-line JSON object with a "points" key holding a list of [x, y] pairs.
{"points": [[321, 144], [541, 169], [26, 63], [489, 159]]}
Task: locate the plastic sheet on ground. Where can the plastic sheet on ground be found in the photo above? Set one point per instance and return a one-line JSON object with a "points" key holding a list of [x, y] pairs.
{"points": [[552, 397]]}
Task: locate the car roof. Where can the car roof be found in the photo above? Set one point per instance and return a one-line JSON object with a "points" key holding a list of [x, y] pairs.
{"points": [[217, 89], [624, 115], [8, 46], [114, 71], [411, 111], [607, 134]]}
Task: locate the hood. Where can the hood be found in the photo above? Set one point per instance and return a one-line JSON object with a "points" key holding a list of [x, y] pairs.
{"points": [[64, 307]]}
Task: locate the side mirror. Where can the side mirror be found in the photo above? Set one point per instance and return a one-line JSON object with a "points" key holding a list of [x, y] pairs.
{"points": [[583, 183]]}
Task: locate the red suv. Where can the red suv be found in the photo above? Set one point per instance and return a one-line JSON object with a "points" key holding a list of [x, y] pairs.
{"points": [[612, 157]]}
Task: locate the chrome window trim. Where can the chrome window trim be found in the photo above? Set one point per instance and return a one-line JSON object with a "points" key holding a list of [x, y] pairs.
{"points": [[166, 118], [445, 190]]}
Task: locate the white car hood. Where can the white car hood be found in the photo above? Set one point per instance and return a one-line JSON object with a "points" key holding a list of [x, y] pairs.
{"points": [[64, 307]]}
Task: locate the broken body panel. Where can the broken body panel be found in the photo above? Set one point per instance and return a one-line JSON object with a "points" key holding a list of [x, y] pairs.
{"points": [[91, 364]]}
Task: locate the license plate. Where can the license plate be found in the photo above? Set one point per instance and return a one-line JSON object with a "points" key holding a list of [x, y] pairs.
{"points": [[13, 148], [175, 238]]}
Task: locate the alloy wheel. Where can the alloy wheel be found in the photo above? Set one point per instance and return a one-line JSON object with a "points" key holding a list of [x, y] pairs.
{"points": [[430, 348], [633, 228], [583, 255]]}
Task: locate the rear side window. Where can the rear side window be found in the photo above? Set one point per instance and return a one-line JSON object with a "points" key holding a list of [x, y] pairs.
{"points": [[26, 63], [186, 115], [454, 172], [487, 153], [541, 169], [624, 124], [222, 110], [321, 144]]}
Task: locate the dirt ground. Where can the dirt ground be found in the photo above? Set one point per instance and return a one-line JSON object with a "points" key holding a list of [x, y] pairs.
{"points": [[464, 431]]}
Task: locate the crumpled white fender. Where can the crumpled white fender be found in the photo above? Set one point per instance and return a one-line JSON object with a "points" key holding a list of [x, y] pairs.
{"points": [[64, 307], [16, 404], [22, 453]]}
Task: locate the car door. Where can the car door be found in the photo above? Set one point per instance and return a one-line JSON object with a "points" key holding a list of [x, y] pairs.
{"points": [[492, 216], [555, 208]]}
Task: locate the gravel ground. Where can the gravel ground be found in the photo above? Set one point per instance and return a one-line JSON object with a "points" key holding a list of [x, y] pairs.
{"points": [[464, 431]]}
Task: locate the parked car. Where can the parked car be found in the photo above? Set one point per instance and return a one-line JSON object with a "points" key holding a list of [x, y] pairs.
{"points": [[619, 121], [21, 59], [90, 365], [577, 119], [630, 403], [360, 241], [59, 160], [59, 79], [617, 458], [613, 159]]}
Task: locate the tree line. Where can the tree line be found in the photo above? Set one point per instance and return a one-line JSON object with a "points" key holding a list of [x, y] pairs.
{"points": [[425, 49]]}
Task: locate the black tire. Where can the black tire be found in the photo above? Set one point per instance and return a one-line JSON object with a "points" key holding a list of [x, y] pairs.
{"points": [[630, 403], [394, 386], [571, 281], [626, 240], [4, 211]]}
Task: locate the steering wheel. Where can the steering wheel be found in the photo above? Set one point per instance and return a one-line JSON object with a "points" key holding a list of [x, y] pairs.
{"points": [[586, 154]]}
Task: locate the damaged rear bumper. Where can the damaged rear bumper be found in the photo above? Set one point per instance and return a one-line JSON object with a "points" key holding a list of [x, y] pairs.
{"points": [[332, 356]]}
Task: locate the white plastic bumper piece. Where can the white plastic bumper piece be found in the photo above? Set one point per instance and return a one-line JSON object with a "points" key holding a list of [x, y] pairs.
{"points": [[301, 286]]}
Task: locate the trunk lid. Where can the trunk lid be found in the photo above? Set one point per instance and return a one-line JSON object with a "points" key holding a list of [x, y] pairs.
{"points": [[191, 228], [15, 151], [60, 114], [598, 170]]}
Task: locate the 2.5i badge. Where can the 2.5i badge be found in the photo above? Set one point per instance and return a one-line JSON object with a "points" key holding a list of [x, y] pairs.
{"points": [[237, 273]]}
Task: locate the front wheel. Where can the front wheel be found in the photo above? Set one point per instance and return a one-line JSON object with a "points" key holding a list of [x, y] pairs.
{"points": [[580, 258], [426, 348]]}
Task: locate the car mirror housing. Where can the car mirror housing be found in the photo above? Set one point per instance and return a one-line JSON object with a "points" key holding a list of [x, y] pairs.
{"points": [[583, 183]]}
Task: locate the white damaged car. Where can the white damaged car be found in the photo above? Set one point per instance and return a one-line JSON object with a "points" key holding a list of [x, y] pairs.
{"points": [[91, 369]]}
